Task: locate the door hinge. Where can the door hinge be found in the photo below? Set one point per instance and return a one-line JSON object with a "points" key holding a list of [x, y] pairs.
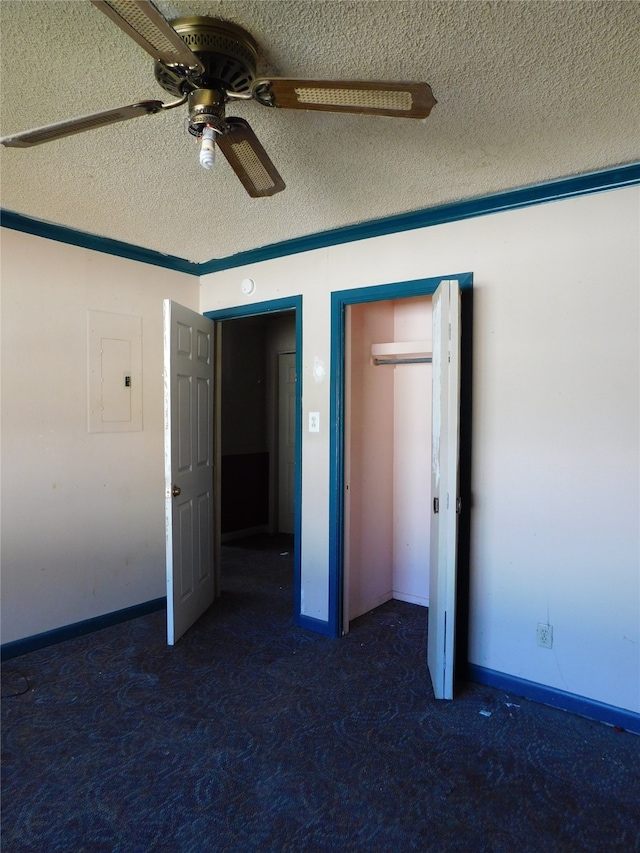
{"points": [[458, 505]]}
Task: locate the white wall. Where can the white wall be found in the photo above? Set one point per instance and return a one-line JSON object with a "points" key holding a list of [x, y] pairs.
{"points": [[82, 514], [555, 471]]}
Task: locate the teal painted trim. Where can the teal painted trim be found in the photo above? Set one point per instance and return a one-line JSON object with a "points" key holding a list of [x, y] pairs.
{"points": [[578, 185], [339, 300], [584, 707], [269, 307], [18, 222], [592, 182], [78, 629], [318, 626]]}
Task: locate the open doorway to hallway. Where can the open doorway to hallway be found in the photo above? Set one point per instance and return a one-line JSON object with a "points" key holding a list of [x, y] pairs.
{"points": [[258, 436]]}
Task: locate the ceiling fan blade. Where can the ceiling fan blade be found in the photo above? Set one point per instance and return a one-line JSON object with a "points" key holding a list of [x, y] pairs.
{"points": [[249, 160], [79, 125], [140, 20], [407, 100]]}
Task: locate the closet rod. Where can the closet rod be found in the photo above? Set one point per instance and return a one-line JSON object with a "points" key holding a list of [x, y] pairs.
{"points": [[378, 361]]}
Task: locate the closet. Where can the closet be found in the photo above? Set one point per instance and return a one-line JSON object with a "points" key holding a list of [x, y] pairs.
{"points": [[387, 453]]}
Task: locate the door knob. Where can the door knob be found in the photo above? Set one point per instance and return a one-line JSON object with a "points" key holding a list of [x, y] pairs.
{"points": [[175, 491]]}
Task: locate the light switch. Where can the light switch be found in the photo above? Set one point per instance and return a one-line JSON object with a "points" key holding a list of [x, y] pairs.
{"points": [[314, 421]]}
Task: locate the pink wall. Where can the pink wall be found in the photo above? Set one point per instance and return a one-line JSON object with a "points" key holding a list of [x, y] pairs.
{"points": [[370, 473], [412, 457], [388, 459]]}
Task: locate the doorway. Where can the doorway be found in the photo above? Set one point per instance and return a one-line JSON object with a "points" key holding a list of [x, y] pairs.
{"points": [[260, 424], [285, 456], [339, 554], [258, 394], [387, 453]]}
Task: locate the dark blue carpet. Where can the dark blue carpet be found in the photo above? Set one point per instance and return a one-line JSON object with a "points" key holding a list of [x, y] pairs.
{"points": [[254, 735]]}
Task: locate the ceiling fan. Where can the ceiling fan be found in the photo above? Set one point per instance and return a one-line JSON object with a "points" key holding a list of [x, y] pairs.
{"points": [[205, 63]]}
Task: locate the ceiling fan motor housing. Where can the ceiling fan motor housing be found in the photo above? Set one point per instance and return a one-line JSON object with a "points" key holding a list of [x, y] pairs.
{"points": [[229, 55], [206, 108]]}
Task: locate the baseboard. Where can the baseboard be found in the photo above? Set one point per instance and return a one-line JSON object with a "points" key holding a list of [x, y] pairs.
{"points": [[309, 623], [77, 629], [410, 599], [592, 708]]}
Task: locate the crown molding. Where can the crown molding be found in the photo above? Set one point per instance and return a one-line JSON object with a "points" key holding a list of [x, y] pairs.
{"points": [[576, 185], [18, 222]]}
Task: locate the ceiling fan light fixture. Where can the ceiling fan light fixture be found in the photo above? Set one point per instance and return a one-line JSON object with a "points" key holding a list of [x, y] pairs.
{"points": [[206, 107], [208, 148]]}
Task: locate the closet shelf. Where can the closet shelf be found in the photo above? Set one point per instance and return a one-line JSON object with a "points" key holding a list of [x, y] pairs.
{"points": [[402, 352]]}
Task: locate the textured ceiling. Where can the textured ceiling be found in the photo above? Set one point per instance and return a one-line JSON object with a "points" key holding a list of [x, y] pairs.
{"points": [[527, 92]]}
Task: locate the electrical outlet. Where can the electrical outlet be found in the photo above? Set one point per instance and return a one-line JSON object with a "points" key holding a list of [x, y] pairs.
{"points": [[544, 633], [314, 421]]}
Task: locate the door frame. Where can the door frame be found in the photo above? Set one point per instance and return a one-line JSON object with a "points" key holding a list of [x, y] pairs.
{"points": [[378, 293], [274, 306], [274, 500]]}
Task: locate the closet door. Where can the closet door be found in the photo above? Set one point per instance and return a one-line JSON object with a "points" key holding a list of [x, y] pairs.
{"points": [[444, 487]]}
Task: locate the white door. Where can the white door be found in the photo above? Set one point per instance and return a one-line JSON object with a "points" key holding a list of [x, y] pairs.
{"points": [[189, 466], [444, 487], [286, 441]]}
